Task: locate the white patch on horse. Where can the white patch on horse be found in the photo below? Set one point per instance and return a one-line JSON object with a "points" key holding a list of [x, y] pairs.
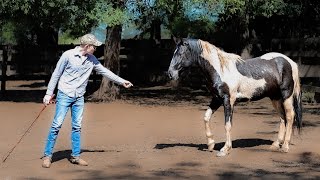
{"points": [[175, 51], [207, 115], [210, 54], [243, 86], [248, 87], [272, 55]]}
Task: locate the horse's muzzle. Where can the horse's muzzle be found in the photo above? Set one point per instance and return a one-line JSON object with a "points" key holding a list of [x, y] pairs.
{"points": [[169, 74], [173, 74]]}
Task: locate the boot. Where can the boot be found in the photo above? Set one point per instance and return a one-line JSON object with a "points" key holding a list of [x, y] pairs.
{"points": [[78, 161], [46, 162]]}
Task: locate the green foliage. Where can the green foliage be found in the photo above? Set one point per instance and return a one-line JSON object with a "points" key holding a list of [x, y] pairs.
{"points": [[233, 7], [179, 17], [6, 33], [66, 38], [195, 18], [295, 15], [111, 13], [43, 19], [267, 8], [181, 27], [115, 16]]}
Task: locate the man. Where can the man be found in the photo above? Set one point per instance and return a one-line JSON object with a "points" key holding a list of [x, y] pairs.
{"points": [[71, 74]]}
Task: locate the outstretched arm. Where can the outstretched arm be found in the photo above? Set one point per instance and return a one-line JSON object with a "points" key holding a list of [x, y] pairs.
{"points": [[110, 75]]}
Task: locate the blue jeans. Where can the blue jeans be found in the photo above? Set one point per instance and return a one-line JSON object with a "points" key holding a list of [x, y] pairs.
{"points": [[63, 103]]}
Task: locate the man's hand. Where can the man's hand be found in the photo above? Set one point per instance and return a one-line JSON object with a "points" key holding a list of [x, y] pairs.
{"points": [[127, 84], [46, 100]]}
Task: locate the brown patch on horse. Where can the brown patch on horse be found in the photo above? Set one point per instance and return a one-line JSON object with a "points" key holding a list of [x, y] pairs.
{"points": [[206, 47], [223, 57]]}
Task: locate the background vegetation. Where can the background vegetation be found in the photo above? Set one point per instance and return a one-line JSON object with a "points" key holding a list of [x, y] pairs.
{"points": [[231, 24]]}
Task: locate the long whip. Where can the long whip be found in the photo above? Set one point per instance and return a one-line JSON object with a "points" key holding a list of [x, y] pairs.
{"points": [[12, 149]]}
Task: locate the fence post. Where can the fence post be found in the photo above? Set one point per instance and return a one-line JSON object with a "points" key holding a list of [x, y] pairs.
{"points": [[4, 68]]}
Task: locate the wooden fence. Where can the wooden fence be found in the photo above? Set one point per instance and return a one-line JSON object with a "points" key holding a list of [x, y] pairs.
{"points": [[142, 60]]}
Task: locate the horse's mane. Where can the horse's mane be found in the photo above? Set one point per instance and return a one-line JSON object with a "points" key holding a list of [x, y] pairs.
{"points": [[223, 56]]}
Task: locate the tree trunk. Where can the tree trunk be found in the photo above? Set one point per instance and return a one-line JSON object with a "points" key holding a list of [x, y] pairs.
{"points": [[47, 39], [155, 31], [108, 91]]}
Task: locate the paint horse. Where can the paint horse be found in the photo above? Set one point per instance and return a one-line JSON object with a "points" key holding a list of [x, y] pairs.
{"points": [[231, 79]]}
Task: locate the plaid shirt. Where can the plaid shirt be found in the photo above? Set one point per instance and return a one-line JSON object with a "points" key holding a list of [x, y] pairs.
{"points": [[73, 70]]}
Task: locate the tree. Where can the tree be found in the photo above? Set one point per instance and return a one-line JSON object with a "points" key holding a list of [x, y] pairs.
{"points": [[180, 17], [245, 22], [41, 21], [38, 23], [114, 16], [148, 16]]}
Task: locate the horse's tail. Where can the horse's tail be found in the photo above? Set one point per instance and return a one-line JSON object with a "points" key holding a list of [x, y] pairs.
{"points": [[297, 102], [297, 99]]}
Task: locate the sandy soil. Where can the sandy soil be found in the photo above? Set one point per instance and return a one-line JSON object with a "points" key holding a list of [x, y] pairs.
{"points": [[154, 133]]}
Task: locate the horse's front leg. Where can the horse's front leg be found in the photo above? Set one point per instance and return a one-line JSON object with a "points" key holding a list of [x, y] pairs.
{"points": [[214, 105], [228, 111]]}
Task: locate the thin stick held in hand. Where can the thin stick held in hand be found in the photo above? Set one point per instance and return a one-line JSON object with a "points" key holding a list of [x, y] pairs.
{"points": [[28, 130]]}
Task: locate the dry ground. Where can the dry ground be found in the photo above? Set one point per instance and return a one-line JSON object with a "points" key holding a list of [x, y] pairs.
{"points": [[154, 133]]}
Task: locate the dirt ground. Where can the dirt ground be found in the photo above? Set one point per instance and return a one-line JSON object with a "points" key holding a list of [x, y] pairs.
{"points": [[154, 133]]}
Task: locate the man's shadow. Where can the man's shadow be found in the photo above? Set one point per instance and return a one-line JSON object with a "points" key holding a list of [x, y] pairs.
{"points": [[66, 154], [239, 143]]}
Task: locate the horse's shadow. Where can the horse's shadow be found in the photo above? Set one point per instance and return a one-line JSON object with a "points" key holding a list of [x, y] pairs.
{"points": [[239, 143]]}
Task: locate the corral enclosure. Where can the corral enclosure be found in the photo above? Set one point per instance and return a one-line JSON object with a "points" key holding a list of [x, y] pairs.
{"points": [[152, 132]]}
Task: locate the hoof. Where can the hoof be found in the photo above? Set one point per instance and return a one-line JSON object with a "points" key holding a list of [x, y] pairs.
{"points": [[211, 147], [274, 148], [284, 150], [222, 153]]}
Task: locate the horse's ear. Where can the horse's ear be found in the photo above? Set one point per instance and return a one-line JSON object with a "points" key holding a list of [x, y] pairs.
{"points": [[177, 40]]}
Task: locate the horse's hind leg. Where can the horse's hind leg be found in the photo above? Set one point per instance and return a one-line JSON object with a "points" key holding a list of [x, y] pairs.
{"points": [[278, 106], [214, 105], [289, 110]]}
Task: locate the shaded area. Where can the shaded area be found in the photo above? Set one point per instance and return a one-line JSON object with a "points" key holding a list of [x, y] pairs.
{"points": [[307, 160], [267, 133], [239, 143], [34, 85], [23, 96], [311, 123], [312, 110], [166, 96], [263, 113], [306, 167], [181, 170], [59, 155], [159, 95]]}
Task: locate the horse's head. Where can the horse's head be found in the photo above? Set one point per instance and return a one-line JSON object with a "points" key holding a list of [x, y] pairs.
{"points": [[182, 58]]}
